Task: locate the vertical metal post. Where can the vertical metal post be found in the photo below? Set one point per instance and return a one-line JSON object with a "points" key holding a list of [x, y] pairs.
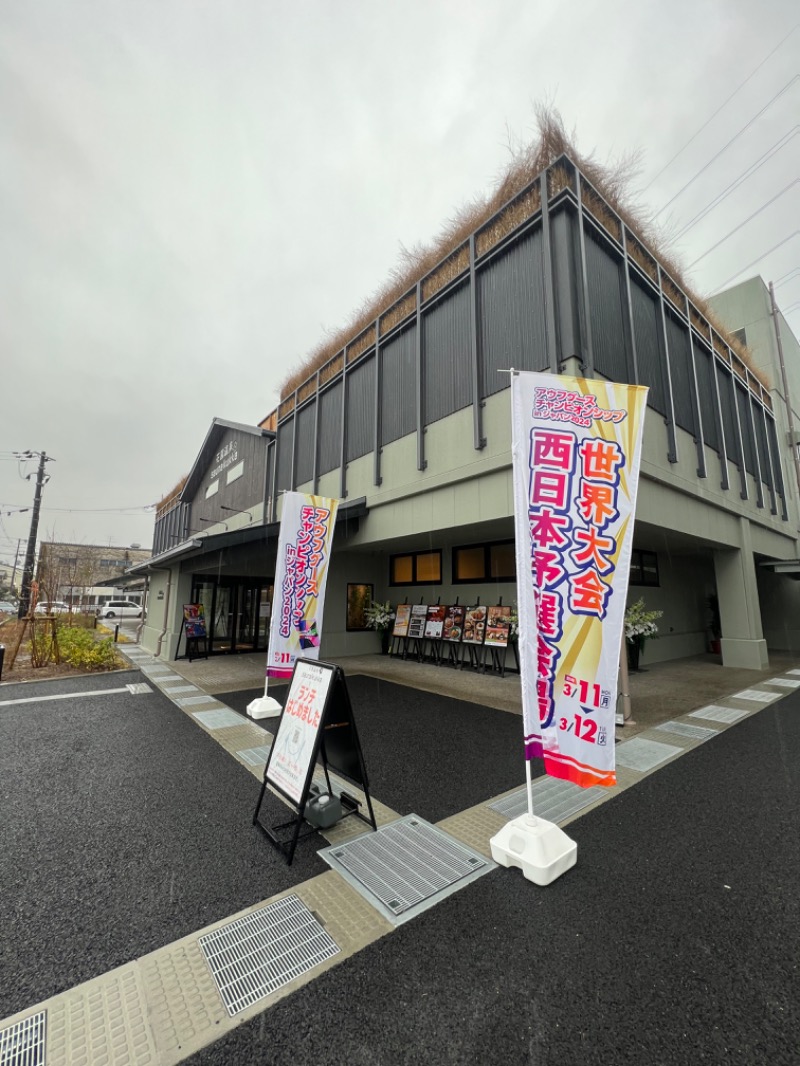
{"points": [[30, 551], [378, 427], [723, 448], [744, 494], [478, 439], [292, 467], [318, 402], [629, 303], [421, 461], [770, 463], [698, 414], [274, 497], [752, 422], [673, 441], [343, 451], [587, 354], [547, 274]]}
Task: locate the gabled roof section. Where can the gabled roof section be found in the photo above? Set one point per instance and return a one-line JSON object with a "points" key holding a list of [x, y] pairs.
{"points": [[218, 428]]}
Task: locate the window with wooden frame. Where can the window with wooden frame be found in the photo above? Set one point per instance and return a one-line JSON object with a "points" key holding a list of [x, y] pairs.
{"points": [[476, 563], [416, 568]]}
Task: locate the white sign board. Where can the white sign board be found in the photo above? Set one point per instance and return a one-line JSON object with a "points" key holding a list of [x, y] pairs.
{"points": [[295, 743]]}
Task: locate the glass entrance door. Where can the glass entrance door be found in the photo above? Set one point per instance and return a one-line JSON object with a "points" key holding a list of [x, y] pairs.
{"points": [[222, 633], [237, 612]]}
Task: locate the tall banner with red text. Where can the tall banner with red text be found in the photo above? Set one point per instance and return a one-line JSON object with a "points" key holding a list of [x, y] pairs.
{"points": [[576, 447], [301, 569]]}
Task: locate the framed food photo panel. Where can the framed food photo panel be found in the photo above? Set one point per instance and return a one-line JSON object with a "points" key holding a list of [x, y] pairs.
{"points": [[474, 625], [416, 627], [453, 628], [498, 626], [402, 617], [434, 623]]}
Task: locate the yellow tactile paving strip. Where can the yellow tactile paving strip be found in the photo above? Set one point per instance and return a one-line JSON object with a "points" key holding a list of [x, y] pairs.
{"points": [[164, 1007]]}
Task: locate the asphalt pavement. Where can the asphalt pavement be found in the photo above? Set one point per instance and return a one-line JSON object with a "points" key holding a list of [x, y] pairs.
{"points": [[675, 939]]}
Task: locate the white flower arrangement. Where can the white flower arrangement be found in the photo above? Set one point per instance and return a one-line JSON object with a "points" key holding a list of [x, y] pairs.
{"points": [[379, 615], [639, 623]]}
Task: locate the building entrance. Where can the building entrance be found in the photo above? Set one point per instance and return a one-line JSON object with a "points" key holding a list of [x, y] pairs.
{"points": [[237, 612]]}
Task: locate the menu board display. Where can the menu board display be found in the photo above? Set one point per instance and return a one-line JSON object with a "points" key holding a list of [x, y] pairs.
{"points": [[401, 619], [434, 624], [416, 627], [474, 625], [498, 626], [453, 628]]}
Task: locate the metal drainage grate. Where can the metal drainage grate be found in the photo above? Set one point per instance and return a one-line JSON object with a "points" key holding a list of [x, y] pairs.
{"points": [[221, 719], [139, 688], [714, 713], [255, 756], [683, 729], [406, 867], [782, 682], [22, 1044], [642, 755], [757, 694], [260, 953], [553, 800]]}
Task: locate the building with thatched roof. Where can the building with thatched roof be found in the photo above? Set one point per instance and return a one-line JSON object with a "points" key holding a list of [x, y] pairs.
{"points": [[405, 419]]}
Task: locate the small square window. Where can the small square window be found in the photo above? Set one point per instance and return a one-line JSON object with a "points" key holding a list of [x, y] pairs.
{"points": [[402, 570], [416, 568], [469, 564], [429, 567]]}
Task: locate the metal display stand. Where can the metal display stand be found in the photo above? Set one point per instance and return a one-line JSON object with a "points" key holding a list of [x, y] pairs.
{"points": [[333, 742]]}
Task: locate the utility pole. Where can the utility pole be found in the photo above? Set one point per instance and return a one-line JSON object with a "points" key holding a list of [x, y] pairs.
{"points": [[30, 553]]}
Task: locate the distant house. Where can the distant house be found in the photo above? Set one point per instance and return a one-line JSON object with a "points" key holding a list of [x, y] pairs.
{"points": [[78, 573]]}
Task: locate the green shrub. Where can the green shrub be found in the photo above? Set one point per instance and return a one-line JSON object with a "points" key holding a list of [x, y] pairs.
{"points": [[78, 648]]}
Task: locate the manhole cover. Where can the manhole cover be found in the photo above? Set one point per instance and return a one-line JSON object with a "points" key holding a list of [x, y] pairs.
{"points": [[406, 867], [22, 1044], [260, 953]]}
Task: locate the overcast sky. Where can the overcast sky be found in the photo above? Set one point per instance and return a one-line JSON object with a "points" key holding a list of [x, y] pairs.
{"points": [[192, 192]]}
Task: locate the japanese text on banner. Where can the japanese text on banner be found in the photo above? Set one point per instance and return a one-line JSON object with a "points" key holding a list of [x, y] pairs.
{"points": [[576, 450]]}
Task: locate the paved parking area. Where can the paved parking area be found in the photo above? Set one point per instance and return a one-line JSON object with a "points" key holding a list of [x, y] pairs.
{"points": [[128, 839]]}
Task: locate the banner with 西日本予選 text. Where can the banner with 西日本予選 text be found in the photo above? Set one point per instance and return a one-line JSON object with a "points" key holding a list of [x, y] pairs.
{"points": [[301, 570], [576, 447]]}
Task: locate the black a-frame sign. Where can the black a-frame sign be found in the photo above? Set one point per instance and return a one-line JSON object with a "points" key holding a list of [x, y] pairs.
{"points": [[316, 724]]}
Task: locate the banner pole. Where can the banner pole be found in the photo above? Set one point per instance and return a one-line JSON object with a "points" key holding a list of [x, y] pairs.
{"points": [[623, 676], [529, 783]]}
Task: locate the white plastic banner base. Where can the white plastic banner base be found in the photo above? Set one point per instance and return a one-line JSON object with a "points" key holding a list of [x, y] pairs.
{"points": [[264, 707], [540, 849]]}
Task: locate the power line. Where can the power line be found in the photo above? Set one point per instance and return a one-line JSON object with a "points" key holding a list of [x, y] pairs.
{"points": [[739, 181], [758, 259], [725, 147], [749, 218], [721, 106]]}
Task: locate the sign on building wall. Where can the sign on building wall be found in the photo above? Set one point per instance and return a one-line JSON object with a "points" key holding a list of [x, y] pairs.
{"points": [[576, 449], [301, 572]]}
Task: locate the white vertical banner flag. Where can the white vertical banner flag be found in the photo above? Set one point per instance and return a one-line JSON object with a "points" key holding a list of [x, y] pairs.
{"points": [[301, 571], [576, 450]]}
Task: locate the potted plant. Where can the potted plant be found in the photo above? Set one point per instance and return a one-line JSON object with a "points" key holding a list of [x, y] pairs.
{"points": [[639, 625], [380, 616], [715, 625]]}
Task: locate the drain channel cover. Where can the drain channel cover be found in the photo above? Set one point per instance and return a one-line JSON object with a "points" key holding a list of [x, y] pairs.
{"points": [[553, 800], [683, 729], [260, 953], [714, 713], [643, 755], [22, 1044], [406, 867]]}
